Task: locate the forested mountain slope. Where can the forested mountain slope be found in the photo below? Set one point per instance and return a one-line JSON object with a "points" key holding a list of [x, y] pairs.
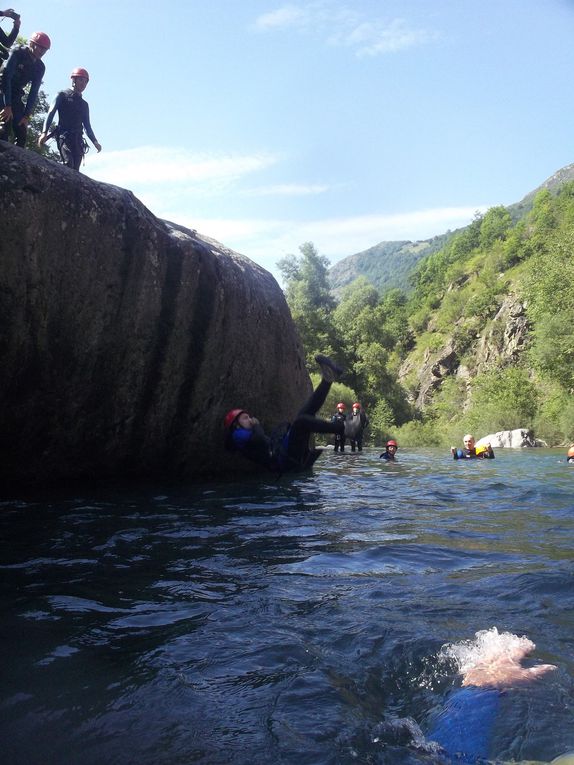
{"points": [[389, 265], [484, 340]]}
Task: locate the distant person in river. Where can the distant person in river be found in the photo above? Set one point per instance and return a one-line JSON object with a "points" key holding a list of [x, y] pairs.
{"points": [[464, 726], [471, 451], [356, 425], [570, 455], [390, 451], [340, 417], [287, 449], [24, 67], [73, 119], [7, 40]]}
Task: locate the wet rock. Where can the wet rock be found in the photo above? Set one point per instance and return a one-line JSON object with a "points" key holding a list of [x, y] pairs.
{"points": [[125, 338], [511, 439]]}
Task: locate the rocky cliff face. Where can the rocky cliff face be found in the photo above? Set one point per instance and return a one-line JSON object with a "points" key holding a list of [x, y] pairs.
{"points": [[501, 344], [125, 339]]}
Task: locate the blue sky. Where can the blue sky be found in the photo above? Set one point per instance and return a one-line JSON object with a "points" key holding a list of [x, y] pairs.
{"points": [[267, 124]]}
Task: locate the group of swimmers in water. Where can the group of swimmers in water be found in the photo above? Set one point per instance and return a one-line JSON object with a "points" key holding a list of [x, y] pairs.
{"points": [[288, 449]]}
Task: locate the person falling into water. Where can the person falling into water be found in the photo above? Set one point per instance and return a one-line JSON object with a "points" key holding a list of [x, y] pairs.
{"points": [[287, 451], [23, 68], [73, 119]]}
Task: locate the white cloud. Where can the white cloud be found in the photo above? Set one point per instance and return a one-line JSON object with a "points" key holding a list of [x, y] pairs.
{"points": [[340, 25], [286, 16], [154, 166], [266, 241], [287, 190]]}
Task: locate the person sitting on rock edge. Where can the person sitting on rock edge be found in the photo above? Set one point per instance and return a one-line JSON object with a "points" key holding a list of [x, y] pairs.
{"points": [[470, 450], [287, 451], [73, 119], [340, 417], [390, 451], [24, 67]]}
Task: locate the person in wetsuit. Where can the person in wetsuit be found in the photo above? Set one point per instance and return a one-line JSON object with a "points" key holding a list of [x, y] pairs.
{"points": [[390, 451], [286, 451], [470, 450], [356, 426], [340, 417], [464, 726], [73, 119], [7, 40], [24, 67]]}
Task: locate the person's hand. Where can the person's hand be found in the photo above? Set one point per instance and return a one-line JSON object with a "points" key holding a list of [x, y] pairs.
{"points": [[11, 14], [42, 139], [24, 121], [6, 113], [504, 668], [452, 449], [98, 146]]}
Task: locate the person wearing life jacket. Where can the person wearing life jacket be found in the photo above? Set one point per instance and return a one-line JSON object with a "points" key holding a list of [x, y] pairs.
{"points": [[73, 119], [471, 451], [570, 455], [7, 40], [340, 417], [356, 424], [24, 67], [390, 451], [287, 449]]}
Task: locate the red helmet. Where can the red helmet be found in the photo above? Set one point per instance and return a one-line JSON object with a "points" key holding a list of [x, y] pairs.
{"points": [[571, 451], [341, 405], [391, 442], [41, 39], [231, 416], [356, 405], [80, 72]]}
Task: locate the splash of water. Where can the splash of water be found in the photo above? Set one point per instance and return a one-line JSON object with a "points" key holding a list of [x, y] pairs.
{"points": [[488, 647]]}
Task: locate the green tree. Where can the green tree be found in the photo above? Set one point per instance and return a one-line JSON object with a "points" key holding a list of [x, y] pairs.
{"points": [[310, 300]]}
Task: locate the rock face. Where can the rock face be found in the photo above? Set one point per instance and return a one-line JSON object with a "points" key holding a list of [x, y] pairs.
{"points": [[125, 339], [507, 338], [511, 439]]}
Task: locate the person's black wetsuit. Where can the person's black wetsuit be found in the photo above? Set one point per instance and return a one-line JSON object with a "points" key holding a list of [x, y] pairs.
{"points": [[73, 118], [288, 450], [21, 69]]}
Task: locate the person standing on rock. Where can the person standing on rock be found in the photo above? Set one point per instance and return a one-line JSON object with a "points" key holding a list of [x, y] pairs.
{"points": [[470, 451], [24, 67], [7, 40], [340, 417], [286, 450], [73, 119], [356, 426]]}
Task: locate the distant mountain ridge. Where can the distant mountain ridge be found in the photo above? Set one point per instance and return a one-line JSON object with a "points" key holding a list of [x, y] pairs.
{"points": [[388, 265]]}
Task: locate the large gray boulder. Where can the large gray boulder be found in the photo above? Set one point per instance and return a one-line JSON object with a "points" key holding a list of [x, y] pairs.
{"points": [[511, 439], [125, 338]]}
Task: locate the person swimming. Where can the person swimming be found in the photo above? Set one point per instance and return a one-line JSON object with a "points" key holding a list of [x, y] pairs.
{"points": [[489, 665]]}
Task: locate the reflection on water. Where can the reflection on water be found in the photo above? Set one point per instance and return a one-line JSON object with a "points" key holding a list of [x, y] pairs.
{"points": [[298, 620]]}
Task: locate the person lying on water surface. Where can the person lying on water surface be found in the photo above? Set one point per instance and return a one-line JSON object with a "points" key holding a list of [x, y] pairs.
{"points": [[471, 451], [286, 450]]}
